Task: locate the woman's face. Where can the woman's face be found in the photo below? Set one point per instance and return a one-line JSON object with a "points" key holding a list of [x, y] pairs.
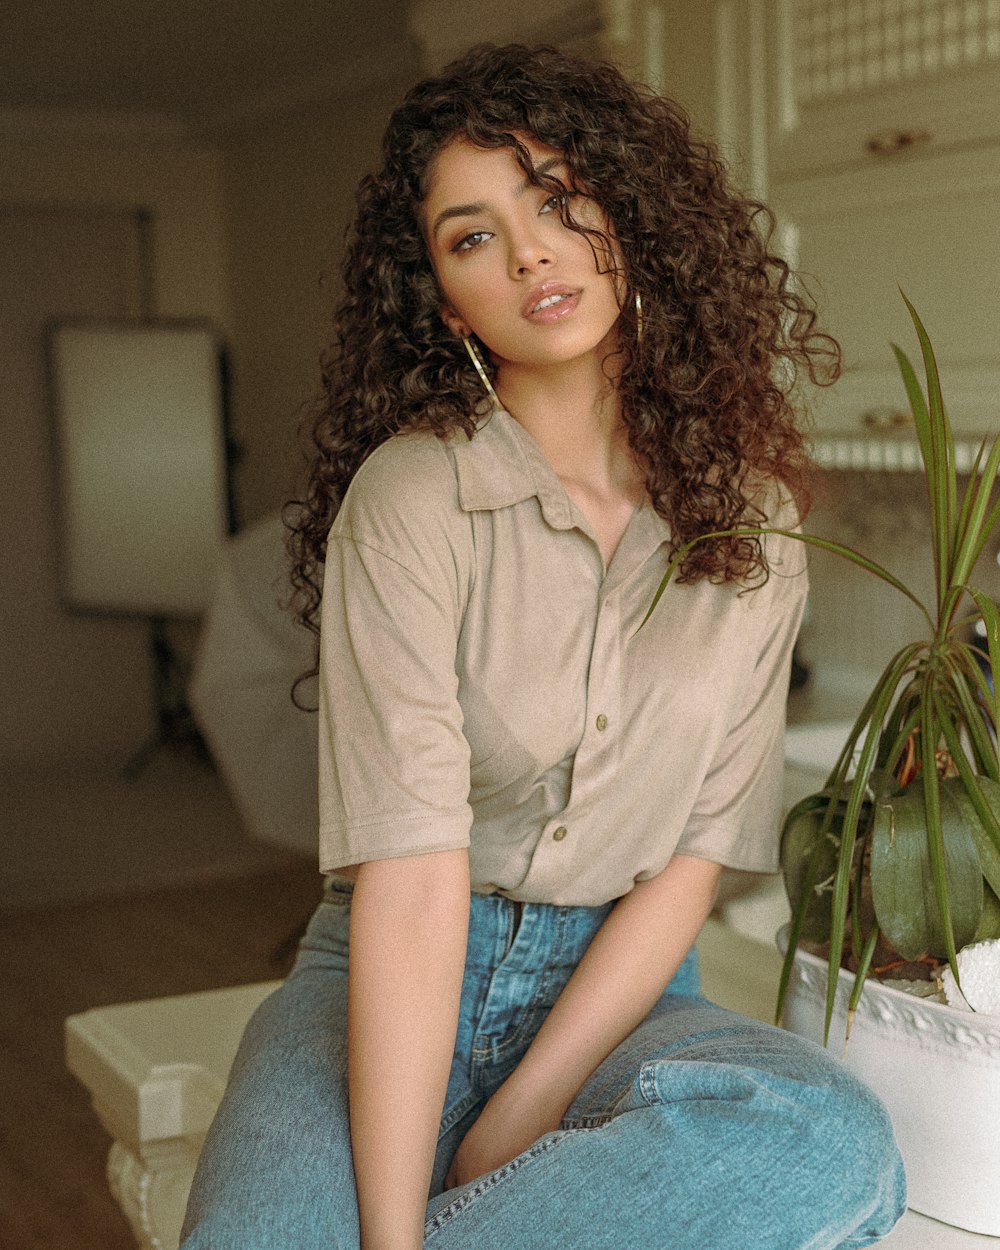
{"points": [[508, 269]]}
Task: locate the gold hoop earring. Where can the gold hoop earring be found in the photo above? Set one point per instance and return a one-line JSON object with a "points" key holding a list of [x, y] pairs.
{"points": [[638, 317], [477, 360]]}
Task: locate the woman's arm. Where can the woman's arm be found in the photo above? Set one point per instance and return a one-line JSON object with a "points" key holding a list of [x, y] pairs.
{"points": [[625, 970], [409, 930]]}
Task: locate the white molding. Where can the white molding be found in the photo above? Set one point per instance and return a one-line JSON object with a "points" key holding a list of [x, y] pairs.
{"points": [[619, 22], [654, 46], [928, 1025], [789, 238], [741, 105], [757, 100], [152, 1188], [787, 111], [727, 75]]}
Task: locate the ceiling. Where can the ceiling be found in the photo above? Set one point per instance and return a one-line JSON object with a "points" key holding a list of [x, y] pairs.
{"points": [[197, 63]]}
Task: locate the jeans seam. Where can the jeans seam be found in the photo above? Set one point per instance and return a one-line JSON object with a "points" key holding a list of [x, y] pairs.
{"points": [[455, 1113], [647, 1083], [492, 1179], [552, 969], [588, 1121]]}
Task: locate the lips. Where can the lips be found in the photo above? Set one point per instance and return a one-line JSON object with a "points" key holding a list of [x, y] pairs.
{"points": [[550, 301]]}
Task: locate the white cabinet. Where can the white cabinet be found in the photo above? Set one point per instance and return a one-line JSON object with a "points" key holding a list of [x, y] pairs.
{"points": [[930, 226], [884, 161]]}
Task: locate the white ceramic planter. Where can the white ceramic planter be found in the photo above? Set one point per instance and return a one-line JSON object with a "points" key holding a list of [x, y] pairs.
{"points": [[936, 1069]]}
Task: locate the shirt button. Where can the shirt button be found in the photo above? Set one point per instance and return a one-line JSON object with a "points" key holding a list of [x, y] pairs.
{"points": [[559, 833], [601, 722]]}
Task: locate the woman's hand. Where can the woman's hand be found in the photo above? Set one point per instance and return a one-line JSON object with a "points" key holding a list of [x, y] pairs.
{"points": [[501, 1133], [624, 971]]}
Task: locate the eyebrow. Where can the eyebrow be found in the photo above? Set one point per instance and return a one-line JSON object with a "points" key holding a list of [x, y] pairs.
{"points": [[470, 210]]}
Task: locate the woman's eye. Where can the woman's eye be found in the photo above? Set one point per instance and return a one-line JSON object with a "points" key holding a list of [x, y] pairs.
{"points": [[469, 241], [555, 203]]}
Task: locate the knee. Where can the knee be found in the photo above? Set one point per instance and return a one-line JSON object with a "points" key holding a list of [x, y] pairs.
{"points": [[812, 1144], [855, 1159]]}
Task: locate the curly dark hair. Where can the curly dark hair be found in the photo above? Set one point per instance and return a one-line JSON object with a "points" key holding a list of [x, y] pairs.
{"points": [[704, 391]]}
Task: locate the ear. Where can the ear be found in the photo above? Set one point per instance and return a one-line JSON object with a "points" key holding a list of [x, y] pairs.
{"points": [[454, 322]]}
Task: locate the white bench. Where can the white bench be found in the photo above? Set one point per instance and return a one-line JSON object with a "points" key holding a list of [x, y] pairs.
{"points": [[156, 1071]]}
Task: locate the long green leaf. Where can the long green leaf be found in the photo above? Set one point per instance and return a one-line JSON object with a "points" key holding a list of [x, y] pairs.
{"points": [[985, 531], [932, 475], [991, 622], [893, 671], [965, 683], [943, 453], [930, 731], [969, 536], [864, 963], [895, 752], [918, 405], [812, 540], [855, 803], [799, 913], [969, 497]]}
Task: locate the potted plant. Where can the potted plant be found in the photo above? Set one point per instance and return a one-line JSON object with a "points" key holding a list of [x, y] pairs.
{"points": [[893, 868], [896, 863]]}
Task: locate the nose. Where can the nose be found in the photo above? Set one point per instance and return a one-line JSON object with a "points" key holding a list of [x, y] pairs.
{"points": [[528, 252]]}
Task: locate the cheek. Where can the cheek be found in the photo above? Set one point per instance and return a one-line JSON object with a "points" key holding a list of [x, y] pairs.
{"points": [[456, 282]]}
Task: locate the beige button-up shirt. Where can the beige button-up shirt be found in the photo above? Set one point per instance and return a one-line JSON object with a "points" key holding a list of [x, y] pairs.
{"points": [[484, 681]]}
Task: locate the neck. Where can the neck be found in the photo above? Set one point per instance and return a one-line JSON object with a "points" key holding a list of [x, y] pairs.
{"points": [[574, 415]]}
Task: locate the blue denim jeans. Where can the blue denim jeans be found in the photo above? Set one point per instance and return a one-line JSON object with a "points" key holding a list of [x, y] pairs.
{"points": [[702, 1131]]}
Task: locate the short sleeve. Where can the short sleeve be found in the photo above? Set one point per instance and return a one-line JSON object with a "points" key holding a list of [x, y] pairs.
{"points": [[736, 818], [393, 760]]}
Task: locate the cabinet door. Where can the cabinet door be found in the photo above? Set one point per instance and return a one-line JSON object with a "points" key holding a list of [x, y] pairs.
{"points": [[854, 82], [931, 227]]}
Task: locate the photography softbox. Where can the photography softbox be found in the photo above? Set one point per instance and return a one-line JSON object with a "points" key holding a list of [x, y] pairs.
{"points": [[141, 466]]}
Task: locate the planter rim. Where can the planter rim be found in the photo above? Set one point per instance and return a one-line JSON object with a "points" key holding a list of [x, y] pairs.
{"points": [[886, 1005]]}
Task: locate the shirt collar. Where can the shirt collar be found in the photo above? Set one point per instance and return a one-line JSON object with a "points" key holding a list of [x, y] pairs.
{"points": [[502, 465]]}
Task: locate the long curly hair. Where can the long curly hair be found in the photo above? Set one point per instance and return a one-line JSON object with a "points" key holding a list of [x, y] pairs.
{"points": [[705, 389]]}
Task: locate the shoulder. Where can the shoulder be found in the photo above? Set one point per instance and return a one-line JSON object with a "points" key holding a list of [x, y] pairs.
{"points": [[413, 468], [410, 476], [404, 502]]}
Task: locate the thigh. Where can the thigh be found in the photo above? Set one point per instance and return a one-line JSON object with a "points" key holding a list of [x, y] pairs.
{"points": [[276, 1167]]}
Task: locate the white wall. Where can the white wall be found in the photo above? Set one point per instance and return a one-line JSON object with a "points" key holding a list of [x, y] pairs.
{"points": [[179, 181], [289, 188]]}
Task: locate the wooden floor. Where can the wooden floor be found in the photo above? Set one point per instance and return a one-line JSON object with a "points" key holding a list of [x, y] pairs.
{"points": [[53, 1195]]}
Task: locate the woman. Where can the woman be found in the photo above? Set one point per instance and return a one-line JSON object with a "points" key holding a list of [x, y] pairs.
{"points": [[564, 350]]}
